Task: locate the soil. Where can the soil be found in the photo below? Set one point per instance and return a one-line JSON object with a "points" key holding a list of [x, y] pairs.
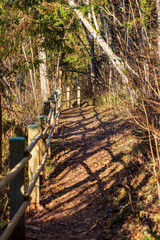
{"points": [[96, 183]]}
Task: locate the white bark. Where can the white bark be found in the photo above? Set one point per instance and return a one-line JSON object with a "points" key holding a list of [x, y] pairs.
{"points": [[43, 73], [116, 61], [94, 19]]}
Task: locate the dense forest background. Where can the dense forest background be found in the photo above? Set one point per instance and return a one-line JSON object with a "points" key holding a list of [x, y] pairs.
{"points": [[110, 48]]}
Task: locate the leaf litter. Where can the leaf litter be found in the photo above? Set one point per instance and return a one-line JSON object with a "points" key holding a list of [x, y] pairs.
{"points": [[97, 185]]}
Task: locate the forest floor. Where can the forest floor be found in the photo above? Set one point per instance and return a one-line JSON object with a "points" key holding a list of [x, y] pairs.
{"points": [[98, 183]]}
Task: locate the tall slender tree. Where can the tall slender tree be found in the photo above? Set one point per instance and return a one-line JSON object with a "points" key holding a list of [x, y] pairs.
{"points": [[43, 71], [117, 62]]}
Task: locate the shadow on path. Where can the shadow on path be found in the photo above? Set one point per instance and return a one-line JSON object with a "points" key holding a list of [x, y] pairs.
{"points": [[89, 192]]}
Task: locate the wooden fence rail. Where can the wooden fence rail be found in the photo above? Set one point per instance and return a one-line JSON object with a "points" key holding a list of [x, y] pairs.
{"points": [[39, 137]]}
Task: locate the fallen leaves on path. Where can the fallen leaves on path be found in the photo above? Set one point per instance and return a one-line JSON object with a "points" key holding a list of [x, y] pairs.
{"points": [[96, 183]]}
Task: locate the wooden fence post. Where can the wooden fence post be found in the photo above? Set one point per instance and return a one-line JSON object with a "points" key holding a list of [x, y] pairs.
{"points": [[42, 122], [46, 108], [42, 143], [51, 104], [59, 100], [60, 97], [68, 97], [17, 186], [78, 96], [33, 164], [56, 95]]}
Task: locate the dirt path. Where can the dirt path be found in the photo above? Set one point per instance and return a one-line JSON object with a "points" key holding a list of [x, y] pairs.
{"points": [[88, 191]]}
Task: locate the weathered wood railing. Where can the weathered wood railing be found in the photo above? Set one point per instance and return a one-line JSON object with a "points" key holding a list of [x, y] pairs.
{"points": [[39, 137]]}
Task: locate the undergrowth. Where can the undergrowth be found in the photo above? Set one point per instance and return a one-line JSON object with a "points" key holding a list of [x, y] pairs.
{"points": [[141, 213], [15, 121], [141, 209]]}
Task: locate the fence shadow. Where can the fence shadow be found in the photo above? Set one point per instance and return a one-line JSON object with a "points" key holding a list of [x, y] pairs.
{"points": [[95, 202]]}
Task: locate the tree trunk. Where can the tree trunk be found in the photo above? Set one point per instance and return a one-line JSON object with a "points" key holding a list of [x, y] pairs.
{"points": [[110, 84], [33, 67], [105, 29], [116, 61], [43, 73], [94, 19], [60, 78]]}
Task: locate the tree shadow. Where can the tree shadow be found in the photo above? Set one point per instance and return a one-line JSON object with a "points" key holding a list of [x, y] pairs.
{"points": [[102, 202]]}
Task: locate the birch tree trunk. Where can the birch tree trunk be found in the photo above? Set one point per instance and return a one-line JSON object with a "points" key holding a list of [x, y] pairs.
{"points": [[118, 64], [43, 73], [116, 61], [94, 19]]}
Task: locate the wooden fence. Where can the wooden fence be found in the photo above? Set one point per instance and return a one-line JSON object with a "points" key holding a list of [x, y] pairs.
{"points": [[39, 137]]}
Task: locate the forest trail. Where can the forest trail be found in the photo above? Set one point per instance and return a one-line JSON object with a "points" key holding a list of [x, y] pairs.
{"points": [[87, 194]]}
